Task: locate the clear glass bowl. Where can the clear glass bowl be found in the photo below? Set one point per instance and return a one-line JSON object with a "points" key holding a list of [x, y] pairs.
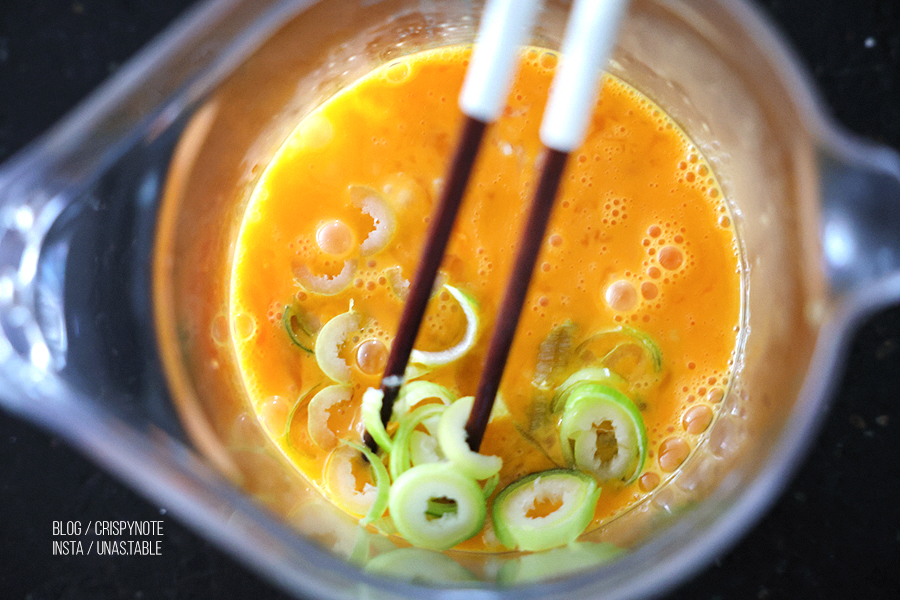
{"points": [[114, 244]]}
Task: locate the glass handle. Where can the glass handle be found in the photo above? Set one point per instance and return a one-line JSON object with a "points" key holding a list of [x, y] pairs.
{"points": [[25, 353], [861, 219]]}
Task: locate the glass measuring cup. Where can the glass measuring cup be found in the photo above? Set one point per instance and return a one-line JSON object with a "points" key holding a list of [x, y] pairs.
{"points": [[24, 218]]}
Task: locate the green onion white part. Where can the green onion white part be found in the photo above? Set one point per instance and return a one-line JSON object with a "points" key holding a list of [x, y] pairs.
{"points": [[297, 405], [416, 391], [443, 357], [323, 284], [424, 448], [302, 339], [341, 484], [452, 438], [331, 337], [400, 458], [382, 485], [417, 565], [318, 414], [591, 374], [550, 564], [574, 491], [418, 492], [371, 413], [372, 203], [603, 432]]}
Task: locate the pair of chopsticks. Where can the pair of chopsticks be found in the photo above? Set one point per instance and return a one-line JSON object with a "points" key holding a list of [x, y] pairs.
{"points": [[588, 41]]}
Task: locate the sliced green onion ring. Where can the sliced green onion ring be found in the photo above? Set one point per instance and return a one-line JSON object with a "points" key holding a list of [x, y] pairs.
{"points": [[317, 417], [452, 438], [603, 432], [341, 484], [416, 391], [418, 565], [299, 327], [423, 448], [382, 485], [397, 283], [572, 495], [297, 405], [323, 284], [443, 357], [550, 564], [329, 341], [627, 351], [554, 355], [593, 374], [400, 455], [372, 203], [371, 413], [415, 494], [415, 370], [490, 485]]}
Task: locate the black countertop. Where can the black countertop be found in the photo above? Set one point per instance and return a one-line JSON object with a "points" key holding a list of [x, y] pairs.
{"points": [[835, 532]]}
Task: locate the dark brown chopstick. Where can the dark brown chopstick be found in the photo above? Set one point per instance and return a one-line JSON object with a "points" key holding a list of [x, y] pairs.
{"points": [[423, 281], [514, 296]]}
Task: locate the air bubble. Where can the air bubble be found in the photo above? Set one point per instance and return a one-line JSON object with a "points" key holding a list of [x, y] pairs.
{"points": [[334, 237], [371, 356], [648, 481], [244, 326], [697, 418], [273, 413], [219, 330], [649, 290], [621, 296], [672, 453], [670, 257], [548, 60]]}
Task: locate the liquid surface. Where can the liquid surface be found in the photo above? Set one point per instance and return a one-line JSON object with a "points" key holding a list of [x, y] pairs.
{"points": [[640, 236]]}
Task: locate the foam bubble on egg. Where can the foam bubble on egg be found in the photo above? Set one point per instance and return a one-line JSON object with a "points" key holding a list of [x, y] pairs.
{"points": [[334, 237], [621, 296]]}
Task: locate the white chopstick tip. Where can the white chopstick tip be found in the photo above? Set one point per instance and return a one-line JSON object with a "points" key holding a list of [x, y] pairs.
{"points": [[590, 36], [503, 30]]}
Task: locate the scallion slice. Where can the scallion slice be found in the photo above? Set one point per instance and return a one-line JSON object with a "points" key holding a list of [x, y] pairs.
{"points": [[329, 341], [323, 284], [603, 432], [371, 413], [317, 417], [400, 455], [292, 414], [372, 203], [545, 510], [341, 482], [629, 352], [592, 374], [577, 556], [299, 327], [418, 566], [382, 485], [452, 438], [416, 495], [443, 357], [416, 391]]}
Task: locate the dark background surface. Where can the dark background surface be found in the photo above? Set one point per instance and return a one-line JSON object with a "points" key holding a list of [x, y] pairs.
{"points": [[835, 532]]}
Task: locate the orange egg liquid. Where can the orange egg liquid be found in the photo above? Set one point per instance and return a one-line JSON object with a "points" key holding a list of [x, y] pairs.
{"points": [[640, 236]]}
